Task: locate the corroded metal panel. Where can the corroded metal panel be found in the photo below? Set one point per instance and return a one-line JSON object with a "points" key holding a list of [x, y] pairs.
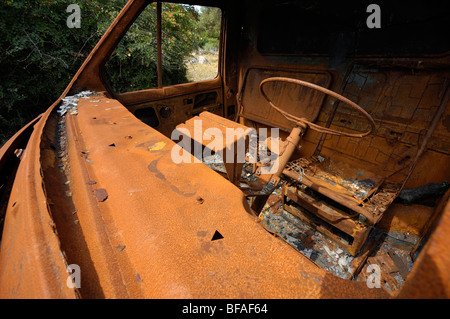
{"points": [[297, 100]]}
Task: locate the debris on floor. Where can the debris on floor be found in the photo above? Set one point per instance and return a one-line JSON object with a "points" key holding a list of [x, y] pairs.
{"points": [[391, 251]]}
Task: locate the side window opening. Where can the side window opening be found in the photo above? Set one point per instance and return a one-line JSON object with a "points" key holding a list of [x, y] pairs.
{"points": [[189, 48]]}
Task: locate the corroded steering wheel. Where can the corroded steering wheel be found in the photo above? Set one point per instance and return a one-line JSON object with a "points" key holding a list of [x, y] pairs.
{"points": [[302, 122]]}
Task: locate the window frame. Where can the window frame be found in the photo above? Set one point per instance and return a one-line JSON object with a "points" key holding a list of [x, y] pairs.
{"points": [[156, 91]]}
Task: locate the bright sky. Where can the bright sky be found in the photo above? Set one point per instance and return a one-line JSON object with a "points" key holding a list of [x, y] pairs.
{"points": [[198, 8]]}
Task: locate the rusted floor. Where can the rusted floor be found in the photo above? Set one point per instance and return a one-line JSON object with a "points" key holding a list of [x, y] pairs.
{"points": [[391, 251], [389, 244]]}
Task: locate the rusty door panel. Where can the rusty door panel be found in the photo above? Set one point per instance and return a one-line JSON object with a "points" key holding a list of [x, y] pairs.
{"points": [[32, 264]]}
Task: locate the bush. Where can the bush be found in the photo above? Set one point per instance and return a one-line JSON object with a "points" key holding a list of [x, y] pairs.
{"points": [[132, 65], [39, 54]]}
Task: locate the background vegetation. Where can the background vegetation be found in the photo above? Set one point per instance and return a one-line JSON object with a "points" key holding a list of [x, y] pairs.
{"points": [[39, 54]]}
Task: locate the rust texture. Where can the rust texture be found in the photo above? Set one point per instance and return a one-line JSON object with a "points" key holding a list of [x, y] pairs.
{"points": [[94, 185], [162, 225]]}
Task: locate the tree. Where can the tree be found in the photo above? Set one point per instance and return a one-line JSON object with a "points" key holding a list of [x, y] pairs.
{"points": [[39, 54], [209, 25], [132, 65]]}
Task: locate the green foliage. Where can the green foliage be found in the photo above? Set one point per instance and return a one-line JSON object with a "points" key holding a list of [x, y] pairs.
{"points": [[39, 54], [209, 25]]}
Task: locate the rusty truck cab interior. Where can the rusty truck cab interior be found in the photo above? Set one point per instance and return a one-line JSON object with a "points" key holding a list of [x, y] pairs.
{"points": [[363, 119]]}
